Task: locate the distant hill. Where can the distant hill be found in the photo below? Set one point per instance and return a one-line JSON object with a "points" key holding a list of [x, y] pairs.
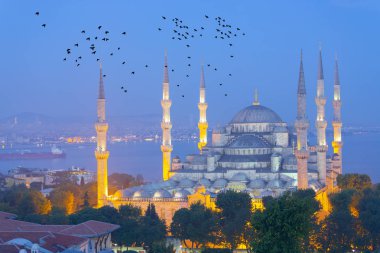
{"points": [[34, 124]]}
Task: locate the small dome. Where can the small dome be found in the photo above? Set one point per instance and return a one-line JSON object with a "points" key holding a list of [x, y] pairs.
{"points": [[256, 114], [169, 184], [185, 183], [274, 184], [239, 177], [249, 141], [220, 183], [205, 182], [141, 194], [257, 184], [181, 194], [161, 194]]}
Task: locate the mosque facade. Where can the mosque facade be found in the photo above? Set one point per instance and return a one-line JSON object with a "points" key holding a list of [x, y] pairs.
{"points": [[256, 152]]}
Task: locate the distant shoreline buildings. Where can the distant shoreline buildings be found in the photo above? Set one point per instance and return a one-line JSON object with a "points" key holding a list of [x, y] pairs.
{"points": [[255, 153]]}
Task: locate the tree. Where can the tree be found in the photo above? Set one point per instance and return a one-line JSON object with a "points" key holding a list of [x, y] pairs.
{"points": [[369, 215], [127, 234], [285, 224], [357, 182], [63, 200], [197, 224], [235, 214], [86, 200], [152, 228], [119, 181], [338, 230]]}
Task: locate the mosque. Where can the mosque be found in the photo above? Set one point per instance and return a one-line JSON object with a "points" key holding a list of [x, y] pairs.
{"points": [[256, 152]]}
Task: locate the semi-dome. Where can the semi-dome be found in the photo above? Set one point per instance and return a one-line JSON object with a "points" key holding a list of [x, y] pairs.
{"points": [[185, 183], [239, 177], [256, 114], [274, 184], [249, 141], [161, 194], [220, 183], [205, 182], [257, 184]]}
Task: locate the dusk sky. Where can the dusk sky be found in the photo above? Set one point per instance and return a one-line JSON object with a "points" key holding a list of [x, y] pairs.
{"points": [[34, 77]]}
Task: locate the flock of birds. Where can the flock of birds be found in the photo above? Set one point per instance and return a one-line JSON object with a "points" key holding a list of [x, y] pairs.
{"points": [[215, 28]]}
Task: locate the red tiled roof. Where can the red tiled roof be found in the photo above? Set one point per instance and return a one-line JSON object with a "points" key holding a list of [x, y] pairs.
{"points": [[45, 228], [13, 225], [91, 228], [50, 241], [5, 215]]}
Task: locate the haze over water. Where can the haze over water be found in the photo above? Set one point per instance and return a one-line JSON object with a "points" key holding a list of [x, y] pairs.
{"points": [[360, 155]]}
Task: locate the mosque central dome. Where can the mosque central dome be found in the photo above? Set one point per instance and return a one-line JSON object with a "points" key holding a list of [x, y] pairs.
{"points": [[256, 114]]}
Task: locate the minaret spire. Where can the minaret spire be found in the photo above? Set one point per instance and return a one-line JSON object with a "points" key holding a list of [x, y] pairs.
{"points": [[321, 123], [101, 152], [166, 124], [320, 65], [202, 106], [302, 125], [337, 124], [101, 85], [256, 98]]}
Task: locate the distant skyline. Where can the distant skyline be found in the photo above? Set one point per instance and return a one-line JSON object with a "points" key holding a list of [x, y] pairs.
{"points": [[36, 79]]}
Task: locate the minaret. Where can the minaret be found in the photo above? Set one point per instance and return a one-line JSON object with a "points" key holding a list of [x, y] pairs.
{"points": [[202, 106], [166, 125], [302, 125], [321, 123], [101, 152], [337, 122]]}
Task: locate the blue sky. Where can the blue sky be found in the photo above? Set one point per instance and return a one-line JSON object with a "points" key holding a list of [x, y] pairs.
{"points": [[36, 79]]}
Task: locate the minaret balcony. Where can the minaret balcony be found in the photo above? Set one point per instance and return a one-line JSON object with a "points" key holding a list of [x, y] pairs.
{"points": [[101, 155], [166, 148], [202, 106], [302, 154], [101, 126], [166, 125], [321, 148], [321, 124], [320, 101], [167, 103], [301, 124]]}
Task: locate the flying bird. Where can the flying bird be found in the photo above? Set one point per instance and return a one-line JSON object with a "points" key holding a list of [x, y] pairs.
{"points": [[43, 25], [124, 33], [206, 16], [104, 75], [99, 27], [133, 72], [76, 45], [83, 31], [37, 13], [88, 38], [159, 29], [146, 66], [106, 32], [123, 62], [163, 17]]}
